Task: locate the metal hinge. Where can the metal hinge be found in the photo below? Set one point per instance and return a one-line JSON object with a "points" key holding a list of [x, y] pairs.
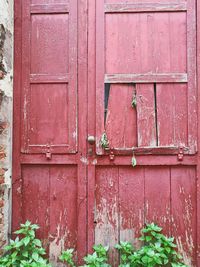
{"points": [[48, 153], [111, 154], [180, 154]]}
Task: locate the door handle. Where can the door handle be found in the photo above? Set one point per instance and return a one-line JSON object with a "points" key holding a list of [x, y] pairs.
{"points": [[91, 139]]}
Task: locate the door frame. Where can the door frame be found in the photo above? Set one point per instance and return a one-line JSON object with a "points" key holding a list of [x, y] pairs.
{"points": [[86, 97]]}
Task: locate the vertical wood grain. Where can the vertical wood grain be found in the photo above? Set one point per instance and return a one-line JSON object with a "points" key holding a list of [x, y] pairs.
{"points": [[157, 197], [184, 212], [146, 115]]}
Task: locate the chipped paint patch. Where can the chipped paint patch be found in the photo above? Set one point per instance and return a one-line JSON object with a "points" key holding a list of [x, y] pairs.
{"points": [[106, 230], [57, 246], [94, 162], [84, 160], [183, 253]]}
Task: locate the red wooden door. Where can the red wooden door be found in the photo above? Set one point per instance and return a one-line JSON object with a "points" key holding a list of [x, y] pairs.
{"points": [[143, 62], [122, 70], [49, 170]]}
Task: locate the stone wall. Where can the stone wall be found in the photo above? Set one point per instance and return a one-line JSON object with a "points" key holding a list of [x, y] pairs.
{"points": [[6, 93]]}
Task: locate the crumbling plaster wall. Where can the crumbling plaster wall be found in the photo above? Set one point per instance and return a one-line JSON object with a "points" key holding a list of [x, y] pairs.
{"points": [[6, 93]]}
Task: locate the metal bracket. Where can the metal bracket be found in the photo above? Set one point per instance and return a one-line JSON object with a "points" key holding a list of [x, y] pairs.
{"points": [[48, 153], [111, 154], [180, 154]]}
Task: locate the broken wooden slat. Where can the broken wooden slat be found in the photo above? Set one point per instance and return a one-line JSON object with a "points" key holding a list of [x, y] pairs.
{"points": [[121, 117], [144, 7], [147, 78], [49, 8]]}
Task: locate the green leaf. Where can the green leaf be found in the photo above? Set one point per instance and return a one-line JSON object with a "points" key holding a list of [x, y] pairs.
{"points": [[37, 242], [134, 161], [26, 240], [35, 256]]}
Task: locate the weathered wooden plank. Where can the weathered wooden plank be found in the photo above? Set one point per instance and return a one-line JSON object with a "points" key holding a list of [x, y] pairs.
{"points": [[183, 202], [46, 78], [145, 160], [63, 209], [107, 210], [198, 137], [49, 8], [91, 122], [172, 114], [192, 72], [79, 21], [100, 58], [146, 115], [146, 78], [121, 117], [162, 150], [148, 160], [131, 203], [16, 164], [157, 196], [145, 7]]}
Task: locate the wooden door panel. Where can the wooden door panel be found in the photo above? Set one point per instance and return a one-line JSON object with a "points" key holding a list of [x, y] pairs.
{"points": [[148, 43], [35, 198], [49, 199], [154, 42], [49, 54], [49, 114], [45, 50], [126, 198]]}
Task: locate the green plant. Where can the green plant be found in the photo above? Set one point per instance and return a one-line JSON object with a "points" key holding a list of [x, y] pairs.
{"points": [[134, 100], [126, 250], [67, 256], [26, 251], [98, 259], [134, 161], [104, 141], [158, 250]]}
